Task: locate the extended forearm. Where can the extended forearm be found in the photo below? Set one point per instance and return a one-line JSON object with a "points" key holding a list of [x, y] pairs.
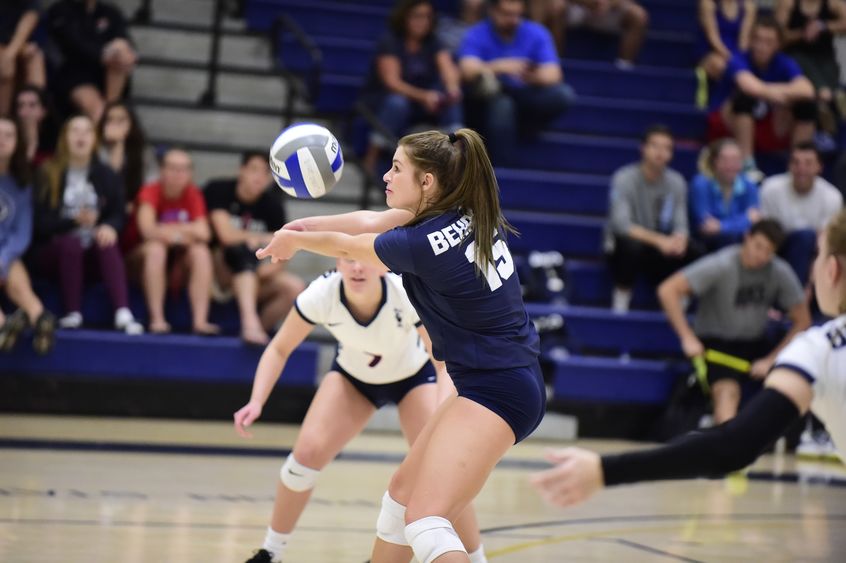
{"points": [[267, 374], [712, 453]]}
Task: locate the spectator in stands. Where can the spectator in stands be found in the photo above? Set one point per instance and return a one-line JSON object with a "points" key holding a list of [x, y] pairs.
{"points": [[18, 19], [809, 38], [725, 27], [625, 18], [79, 213], [764, 98], [648, 227], [244, 212], [38, 123], [723, 202], [514, 75], [451, 29], [124, 148], [15, 236], [413, 78], [803, 203], [736, 288], [170, 234], [96, 56]]}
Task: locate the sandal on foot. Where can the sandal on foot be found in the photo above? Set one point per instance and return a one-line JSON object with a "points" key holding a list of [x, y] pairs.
{"points": [[44, 334], [11, 330]]}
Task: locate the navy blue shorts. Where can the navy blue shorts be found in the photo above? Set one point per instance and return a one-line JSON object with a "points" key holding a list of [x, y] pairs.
{"points": [[517, 395], [386, 393]]}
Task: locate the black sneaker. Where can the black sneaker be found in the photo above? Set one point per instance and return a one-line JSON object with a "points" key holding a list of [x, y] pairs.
{"points": [[11, 330], [44, 333], [261, 556]]}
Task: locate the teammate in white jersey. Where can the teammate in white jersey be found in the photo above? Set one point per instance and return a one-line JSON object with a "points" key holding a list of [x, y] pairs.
{"points": [[382, 358], [810, 373]]}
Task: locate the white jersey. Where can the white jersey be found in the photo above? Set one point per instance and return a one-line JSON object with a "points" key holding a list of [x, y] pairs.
{"points": [[385, 349], [819, 354]]}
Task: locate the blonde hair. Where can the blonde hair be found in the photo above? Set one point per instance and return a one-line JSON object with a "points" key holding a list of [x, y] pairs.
{"points": [[706, 163], [835, 239], [54, 169], [466, 180]]}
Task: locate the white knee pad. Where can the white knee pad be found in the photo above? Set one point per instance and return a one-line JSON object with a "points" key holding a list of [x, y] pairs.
{"points": [[297, 477], [390, 526], [431, 537]]}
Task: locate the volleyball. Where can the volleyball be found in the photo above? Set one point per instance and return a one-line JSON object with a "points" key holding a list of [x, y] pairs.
{"points": [[306, 161]]}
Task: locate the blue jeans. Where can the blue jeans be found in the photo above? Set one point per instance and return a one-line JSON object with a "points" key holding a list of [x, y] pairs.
{"points": [[397, 113], [520, 111], [799, 249]]}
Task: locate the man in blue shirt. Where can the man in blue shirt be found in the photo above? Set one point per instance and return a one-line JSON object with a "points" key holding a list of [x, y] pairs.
{"points": [[512, 67], [764, 98]]}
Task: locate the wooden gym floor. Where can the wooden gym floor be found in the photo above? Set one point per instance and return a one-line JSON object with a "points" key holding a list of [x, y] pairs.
{"points": [[94, 489]]}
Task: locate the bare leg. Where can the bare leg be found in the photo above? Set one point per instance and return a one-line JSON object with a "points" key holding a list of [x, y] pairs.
{"points": [[726, 395], [742, 126], [276, 297], [154, 263], [245, 287], [7, 84], [635, 21], [336, 415], [119, 66], [88, 99], [415, 410], [36, 74], [19, 290], [199, 287]]}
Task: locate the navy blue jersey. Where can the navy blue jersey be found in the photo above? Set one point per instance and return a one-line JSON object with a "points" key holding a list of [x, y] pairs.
{"points": [[475, 321]]}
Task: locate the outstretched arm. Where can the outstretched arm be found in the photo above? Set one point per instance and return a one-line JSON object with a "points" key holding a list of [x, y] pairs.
{"points": [[272, 362], [715, 452], [286, 243], [353, 223]]}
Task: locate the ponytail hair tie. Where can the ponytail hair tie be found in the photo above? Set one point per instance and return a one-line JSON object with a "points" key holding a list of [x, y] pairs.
{"points": [[452, 138]]}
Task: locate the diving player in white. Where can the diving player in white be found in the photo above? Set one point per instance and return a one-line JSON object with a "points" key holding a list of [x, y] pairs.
{"points": [[810, 373], [382, 358]]}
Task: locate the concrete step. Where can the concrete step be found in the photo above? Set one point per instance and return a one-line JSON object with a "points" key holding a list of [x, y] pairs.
{"points": [[210, 126], [196, 12], [194, 46], [269, 92]]}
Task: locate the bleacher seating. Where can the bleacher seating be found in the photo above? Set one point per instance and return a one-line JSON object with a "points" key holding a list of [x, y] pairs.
{"points": [[555, 193]]}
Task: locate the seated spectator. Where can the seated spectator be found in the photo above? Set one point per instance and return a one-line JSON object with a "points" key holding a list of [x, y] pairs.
{"points": [[18, 19], [79, 213], [624, 17], [723, 202], [810, 28], [763, 101], [724, 30], [168, 238], [451, 29], [124, 148], [736, 288], [38, 123], [647, 230], [15, 236], [413, 78], [244, 212], [514, 74], [96, 56], [803, 203]]}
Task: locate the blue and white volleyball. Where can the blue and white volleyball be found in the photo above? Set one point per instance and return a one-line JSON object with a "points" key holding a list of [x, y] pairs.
{"points": [[306, 161]]}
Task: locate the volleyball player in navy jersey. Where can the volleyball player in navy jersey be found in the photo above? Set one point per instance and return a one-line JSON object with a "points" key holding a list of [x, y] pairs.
{"points": [[445, 234]]}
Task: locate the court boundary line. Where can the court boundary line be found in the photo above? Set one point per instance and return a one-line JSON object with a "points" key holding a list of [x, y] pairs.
{"points": [[369, 457]]}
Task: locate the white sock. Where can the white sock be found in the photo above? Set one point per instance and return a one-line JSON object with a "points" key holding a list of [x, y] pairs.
{"points": [[123, 317], [478, 556], [275, 543], [71, 320], [620, 300]]}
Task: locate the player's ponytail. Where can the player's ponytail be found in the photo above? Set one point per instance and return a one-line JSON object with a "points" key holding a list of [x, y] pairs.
{"points": [[466, 178], [835, 238]]}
